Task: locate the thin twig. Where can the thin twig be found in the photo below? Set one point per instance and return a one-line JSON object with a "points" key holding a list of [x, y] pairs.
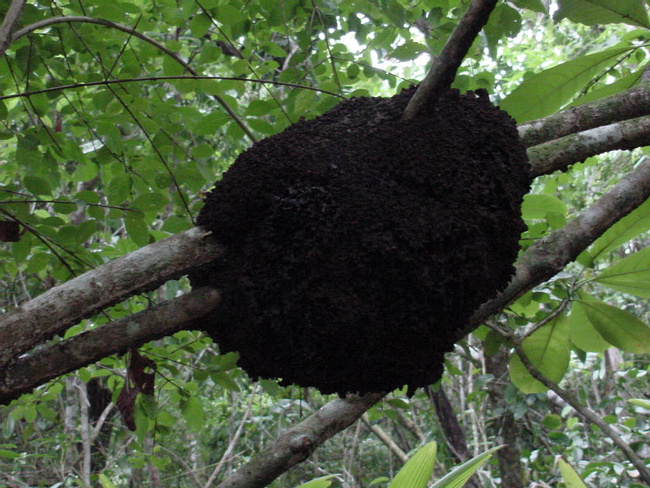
{"points": [[107, 23], [585, 412], [444, 68]]}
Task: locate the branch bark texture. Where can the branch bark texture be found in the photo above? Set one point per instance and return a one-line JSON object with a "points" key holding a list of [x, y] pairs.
{"points": [[9, 23], [116, 337], [628, 104], [545, 258], [297, 443], [58, 308], [559, 154], [444, 68]]}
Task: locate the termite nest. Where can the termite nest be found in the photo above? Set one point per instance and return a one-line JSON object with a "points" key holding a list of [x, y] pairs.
{"points": [[359, 244]]}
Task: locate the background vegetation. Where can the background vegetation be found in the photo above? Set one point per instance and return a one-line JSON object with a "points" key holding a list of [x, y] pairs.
{"points": [[117, 116]]}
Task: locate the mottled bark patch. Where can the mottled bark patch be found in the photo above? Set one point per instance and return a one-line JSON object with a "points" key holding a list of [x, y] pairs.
{"points": [[358, 242]]}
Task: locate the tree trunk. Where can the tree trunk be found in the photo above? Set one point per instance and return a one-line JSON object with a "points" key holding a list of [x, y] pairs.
{"points": [[504, 426]]}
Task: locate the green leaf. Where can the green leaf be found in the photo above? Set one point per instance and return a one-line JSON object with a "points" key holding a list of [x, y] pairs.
{"points": [[407, 51], [618, 86], [544, 93], [629, 275], [3, 111], [549, 350], [618, 327], [5, 453], [534, 5], [581, 331], [137, 229], [458, 476], [541, 206], [632, 225], [105, 482], [37, 186], [417, 471], [322, 482], [199, 25], [592, 12], [192, 412], [570, 476], [150, 202], [640, 402]]}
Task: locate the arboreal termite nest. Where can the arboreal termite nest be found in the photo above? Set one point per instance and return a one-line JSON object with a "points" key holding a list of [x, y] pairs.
{"points": [[358, 242]]}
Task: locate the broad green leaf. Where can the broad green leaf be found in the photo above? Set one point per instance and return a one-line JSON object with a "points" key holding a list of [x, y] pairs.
{"points": [[3, 110], [322, 482], [592, 12], [630, 274], [618, 327], [611, 89], [534, 5], [150, 202], [407, 51], [546, 92], [137, 229], [105, 482], [570, 476], [417, 471], [458, 476], [199, 25], [581, 331], [540, 206], [193, 414], [632, 225], [37, 185], [549, 351]]}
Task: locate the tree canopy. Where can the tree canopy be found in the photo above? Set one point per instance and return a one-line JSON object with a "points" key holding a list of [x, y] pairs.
{"points": [[118, 116]]}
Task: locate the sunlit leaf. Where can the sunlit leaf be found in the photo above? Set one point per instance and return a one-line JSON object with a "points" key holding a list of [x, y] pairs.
{"points": [[322, 482], [458, 476], [417, 471], [570, 476], [592, 12], [581, 331], [618, 327], [632, 225], [629, 275], [544, 93], [549, 351]]}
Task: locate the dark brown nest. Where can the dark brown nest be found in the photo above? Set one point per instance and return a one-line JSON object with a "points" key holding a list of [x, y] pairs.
{"points": [[358, 243]]}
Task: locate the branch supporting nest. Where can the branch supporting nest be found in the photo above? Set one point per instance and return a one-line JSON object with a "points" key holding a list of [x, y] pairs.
{"points": [[444, 68]]}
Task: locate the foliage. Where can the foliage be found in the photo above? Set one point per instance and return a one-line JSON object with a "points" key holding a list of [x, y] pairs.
{"points": [[114, 125]]}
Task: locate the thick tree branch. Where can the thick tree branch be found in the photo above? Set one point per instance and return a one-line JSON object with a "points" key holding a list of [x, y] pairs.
{"points": [[444, 68], [58, 308], [131, 31], [545, 258], [559, 154], [116, 337], [297, 443], [9, 23], [628, 104]]}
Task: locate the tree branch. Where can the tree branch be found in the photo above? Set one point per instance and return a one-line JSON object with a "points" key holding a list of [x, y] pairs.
{"points": [[560, 153], [297, 443], [9, 23], [546, 257], [114, 25], [385, 438], [628, 104], [444, 68], [62, 306], [116, 337]]}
